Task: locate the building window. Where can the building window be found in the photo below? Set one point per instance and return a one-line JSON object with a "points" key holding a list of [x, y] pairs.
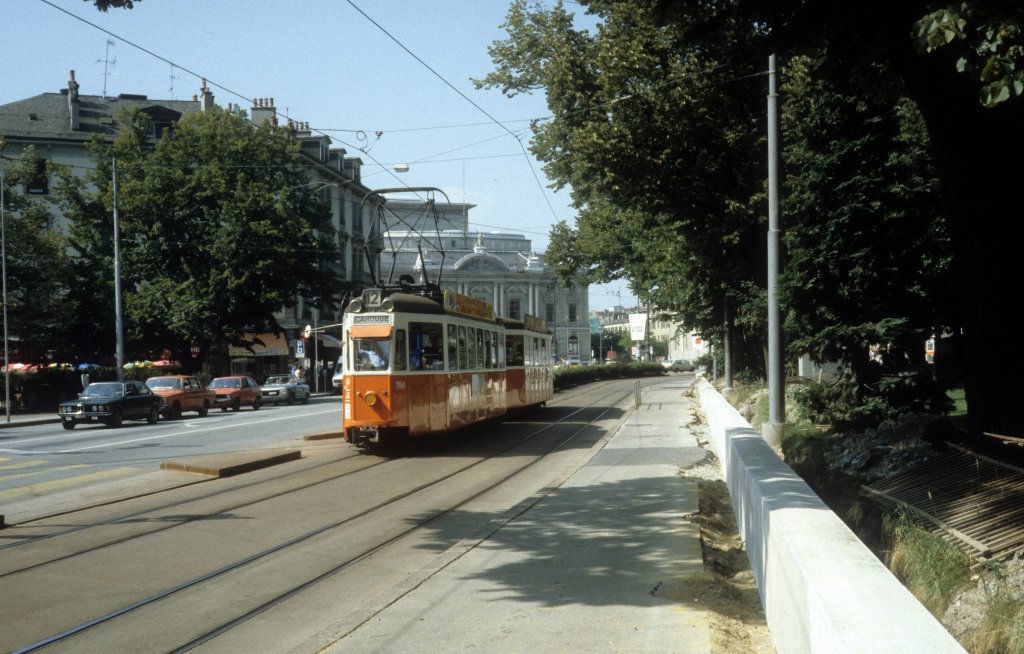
{"points": [[39, 182], [572, 313], [549, 313], [513, 308], [357, 219], [574, 346]]}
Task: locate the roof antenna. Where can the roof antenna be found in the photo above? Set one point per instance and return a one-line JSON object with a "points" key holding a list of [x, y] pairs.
{"points": [[107, 62], [173, 77]]}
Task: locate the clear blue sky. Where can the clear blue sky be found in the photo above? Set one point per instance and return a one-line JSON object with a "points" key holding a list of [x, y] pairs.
{"points": [[326, 64]]}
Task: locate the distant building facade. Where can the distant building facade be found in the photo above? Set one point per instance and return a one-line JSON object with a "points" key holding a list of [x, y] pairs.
{"points": [[60, 125], [497, 267]]}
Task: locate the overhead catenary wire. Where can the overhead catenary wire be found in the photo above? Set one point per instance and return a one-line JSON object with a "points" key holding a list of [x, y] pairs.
{"points": [[194, 74], [526, 155], [365, 152]]}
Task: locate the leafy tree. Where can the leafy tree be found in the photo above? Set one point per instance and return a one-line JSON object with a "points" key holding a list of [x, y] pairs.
{"points": [[37, 266], [959, 64], [963, 76], [104, 5], [868, 254], [219, 230], [660, 144]]}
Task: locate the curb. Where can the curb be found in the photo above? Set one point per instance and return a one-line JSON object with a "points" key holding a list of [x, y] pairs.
{"points": [[228, 465], [324, 435]]}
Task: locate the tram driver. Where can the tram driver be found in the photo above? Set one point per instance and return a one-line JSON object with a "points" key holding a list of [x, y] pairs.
{"points": [[371, 354]]}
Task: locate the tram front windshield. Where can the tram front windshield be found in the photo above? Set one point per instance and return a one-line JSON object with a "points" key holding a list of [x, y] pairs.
{"points": [[371, 353]]}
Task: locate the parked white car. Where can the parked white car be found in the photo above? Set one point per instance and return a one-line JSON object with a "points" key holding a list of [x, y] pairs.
{"points": [[284, 388], [339, 372]]}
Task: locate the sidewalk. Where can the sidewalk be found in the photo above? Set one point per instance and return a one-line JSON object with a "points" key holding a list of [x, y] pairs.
{"points": [[601, 564], [21, 419]]}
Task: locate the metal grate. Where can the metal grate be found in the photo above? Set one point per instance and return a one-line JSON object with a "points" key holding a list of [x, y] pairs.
{"points": [[975, 502]]}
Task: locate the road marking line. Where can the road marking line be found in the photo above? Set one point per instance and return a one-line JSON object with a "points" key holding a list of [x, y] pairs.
{"points": [[43, 471], [24, 464], [57, 484]]}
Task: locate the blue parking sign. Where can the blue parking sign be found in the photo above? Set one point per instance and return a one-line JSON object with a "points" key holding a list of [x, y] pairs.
{"points": [[300, 349]]}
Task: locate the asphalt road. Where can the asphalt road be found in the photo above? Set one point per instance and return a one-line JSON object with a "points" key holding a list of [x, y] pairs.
{"points": [[38, 459], [288, 558]]}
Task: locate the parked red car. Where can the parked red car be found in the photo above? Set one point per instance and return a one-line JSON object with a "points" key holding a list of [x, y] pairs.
{"points": [[181, 393], [233, 392]]}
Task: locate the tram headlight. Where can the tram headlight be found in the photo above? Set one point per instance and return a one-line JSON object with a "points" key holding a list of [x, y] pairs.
{"points": [[355, 306], [387, 305], [371, 398]]}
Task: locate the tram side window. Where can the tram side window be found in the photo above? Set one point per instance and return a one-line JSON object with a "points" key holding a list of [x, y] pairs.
{"points": [[545, 360], [537, 361], [492, 349], [453, 347], [399, 362], [426, 341], [463, 354], [500, 343], [514, 351], [371, 353], [471, 345], [480, 333]]}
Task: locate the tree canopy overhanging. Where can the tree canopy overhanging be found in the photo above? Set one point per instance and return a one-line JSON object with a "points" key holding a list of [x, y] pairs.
{"points": [[896, 151]]}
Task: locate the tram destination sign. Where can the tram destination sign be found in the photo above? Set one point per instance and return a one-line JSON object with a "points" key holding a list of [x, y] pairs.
{"points": [[371, 319]]}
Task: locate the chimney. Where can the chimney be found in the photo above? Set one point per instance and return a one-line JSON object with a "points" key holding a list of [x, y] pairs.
{"points": [[206, 99], [73, 101], [262, 111]]}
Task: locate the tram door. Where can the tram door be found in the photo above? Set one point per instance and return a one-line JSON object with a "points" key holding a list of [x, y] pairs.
{"points": [[426, 353]]}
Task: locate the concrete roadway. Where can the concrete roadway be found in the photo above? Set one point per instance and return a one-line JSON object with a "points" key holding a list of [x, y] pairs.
{"points": [[39, 457], [564, 531]]}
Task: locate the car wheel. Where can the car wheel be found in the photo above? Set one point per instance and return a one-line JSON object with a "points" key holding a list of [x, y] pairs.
{"points": [[68, 424], [116, 418], [237, 405], [175, 412], [203, 410], [256, 404], [291, 398], [154, 415]]}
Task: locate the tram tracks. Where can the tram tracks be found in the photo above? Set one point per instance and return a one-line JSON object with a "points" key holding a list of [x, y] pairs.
{"points": [[568, 428]]}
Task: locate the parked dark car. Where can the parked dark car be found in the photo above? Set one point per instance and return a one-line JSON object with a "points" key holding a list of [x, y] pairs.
{"points": [[111, 403]]}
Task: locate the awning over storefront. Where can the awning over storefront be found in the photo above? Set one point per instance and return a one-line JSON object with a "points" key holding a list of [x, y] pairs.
{"points": [[370, 331], [273, 345]]}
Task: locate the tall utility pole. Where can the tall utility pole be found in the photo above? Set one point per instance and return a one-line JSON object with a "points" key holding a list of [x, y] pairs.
{"points": [[727, 353], [772, 430], [3, 254], [118, 322]]}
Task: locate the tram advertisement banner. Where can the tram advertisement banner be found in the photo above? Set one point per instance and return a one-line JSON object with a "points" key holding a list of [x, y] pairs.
{"points": [[468, 306]]}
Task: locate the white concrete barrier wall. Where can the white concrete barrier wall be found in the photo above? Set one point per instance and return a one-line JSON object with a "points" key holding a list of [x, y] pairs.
{"points": [[822, 589]]}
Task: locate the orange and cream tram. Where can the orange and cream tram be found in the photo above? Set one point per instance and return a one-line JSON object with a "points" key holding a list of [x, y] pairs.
{"points": [[419, 361]]}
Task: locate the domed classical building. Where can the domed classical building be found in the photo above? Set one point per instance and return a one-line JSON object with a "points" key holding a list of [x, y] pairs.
{"points": [[422, 239]]}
